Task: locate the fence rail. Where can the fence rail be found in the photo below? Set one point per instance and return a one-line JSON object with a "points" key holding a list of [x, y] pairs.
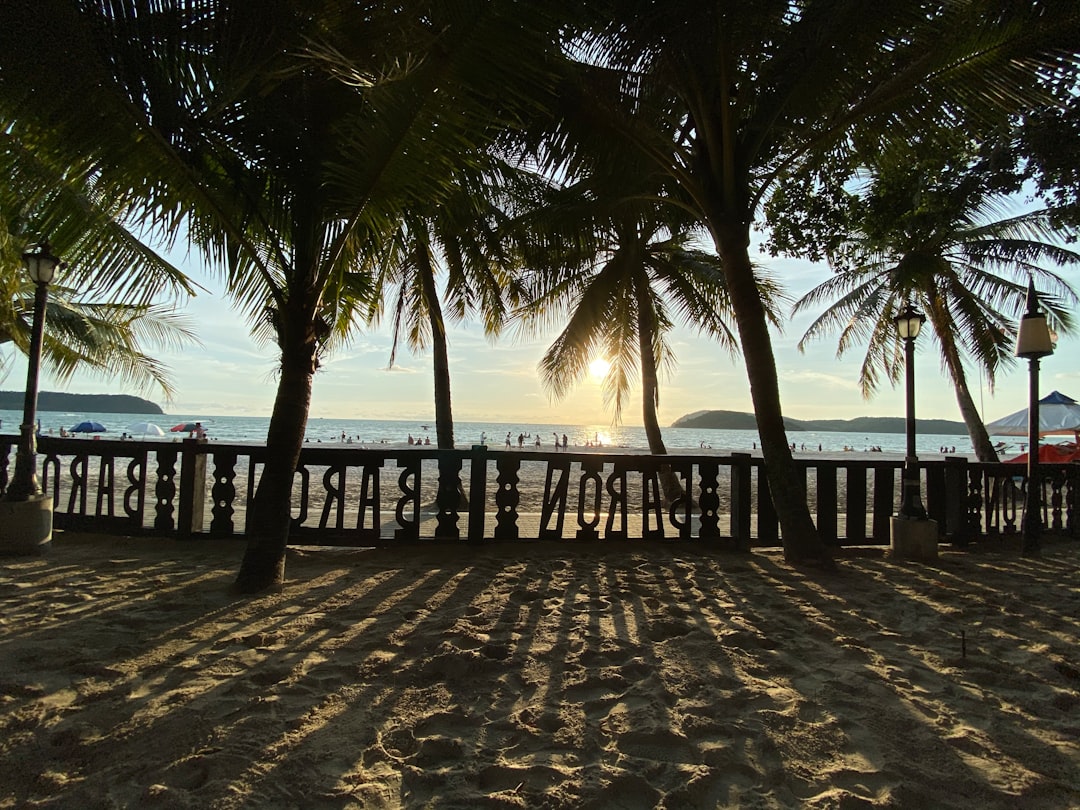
{"points": [[370, 496]]}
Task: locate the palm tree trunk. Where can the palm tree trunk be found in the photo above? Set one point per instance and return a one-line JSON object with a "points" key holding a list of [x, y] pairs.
{"points": [[800, 538], [650, 391], [270, 517], [444, 415], [980, 439]]}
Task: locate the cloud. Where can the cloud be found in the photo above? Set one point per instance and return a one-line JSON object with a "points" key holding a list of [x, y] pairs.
{"points": [[819, 378]]}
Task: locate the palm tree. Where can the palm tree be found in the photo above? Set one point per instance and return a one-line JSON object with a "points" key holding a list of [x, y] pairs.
{"points": [[464, 236], [617, 273], [755, 92], [104, 339], [100, 313], [928, 228], [290, 137]]}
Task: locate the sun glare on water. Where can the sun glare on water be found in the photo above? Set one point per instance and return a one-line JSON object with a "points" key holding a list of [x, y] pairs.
{"points": [[598, 368]]}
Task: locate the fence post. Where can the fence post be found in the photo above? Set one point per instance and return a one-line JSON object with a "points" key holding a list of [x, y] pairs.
{"points": [[189, 519], [957, 523], [477, 492], [741, 501]]}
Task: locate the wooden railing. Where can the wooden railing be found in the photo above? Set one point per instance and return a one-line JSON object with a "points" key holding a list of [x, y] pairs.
{"points": [[369, 495]]}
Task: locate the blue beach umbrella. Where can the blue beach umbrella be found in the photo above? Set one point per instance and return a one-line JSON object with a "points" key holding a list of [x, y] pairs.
{"points": [[89, 427]]}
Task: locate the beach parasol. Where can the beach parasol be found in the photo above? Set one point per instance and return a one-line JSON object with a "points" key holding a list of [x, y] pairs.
{"points": [[1059, 415], [183, 427], [89, 427], [145, 429], [1052, 454]]}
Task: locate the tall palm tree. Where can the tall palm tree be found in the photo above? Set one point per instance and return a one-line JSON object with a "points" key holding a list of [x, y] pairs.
{"points": [[462, 236], [290, 136], [756, 91], [616, 274], [930, 228], [619, 302]]}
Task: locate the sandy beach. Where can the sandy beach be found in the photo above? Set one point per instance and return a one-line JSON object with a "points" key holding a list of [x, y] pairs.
{"points": [[565, 676]]}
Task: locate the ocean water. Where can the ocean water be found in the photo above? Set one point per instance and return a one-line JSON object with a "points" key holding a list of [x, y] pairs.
{"points": [[378, 431]]}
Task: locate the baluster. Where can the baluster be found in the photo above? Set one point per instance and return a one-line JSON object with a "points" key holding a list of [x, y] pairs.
{"points": [[448, 497], [477, 493], [223, 491], [709, 499], [507, 497], [165, 490], [1057, 481]]}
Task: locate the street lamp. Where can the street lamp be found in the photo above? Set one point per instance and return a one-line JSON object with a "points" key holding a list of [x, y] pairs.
{"points": [[1033, 341], [41, 266], [908, 325]]}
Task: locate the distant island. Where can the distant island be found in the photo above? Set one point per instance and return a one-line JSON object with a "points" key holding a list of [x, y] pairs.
{"points": [[737, 420], [80, 403]]}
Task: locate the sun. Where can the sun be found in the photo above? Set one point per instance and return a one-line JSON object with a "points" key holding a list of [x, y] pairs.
{"points": [[598, 368]]}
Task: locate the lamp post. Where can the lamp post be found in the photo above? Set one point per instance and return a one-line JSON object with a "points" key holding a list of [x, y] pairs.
{"points": [[908, 325], [1033, 341], [41, 265]]}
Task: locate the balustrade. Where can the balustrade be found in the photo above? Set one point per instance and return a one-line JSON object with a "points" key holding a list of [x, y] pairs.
{"points": [[368, 497]]}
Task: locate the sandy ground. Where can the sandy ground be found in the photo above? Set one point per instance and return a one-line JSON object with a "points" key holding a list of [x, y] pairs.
{"points": [[599, 676]]}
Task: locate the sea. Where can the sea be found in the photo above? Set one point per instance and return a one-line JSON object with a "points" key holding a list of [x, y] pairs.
{"points": [[252, 429]]}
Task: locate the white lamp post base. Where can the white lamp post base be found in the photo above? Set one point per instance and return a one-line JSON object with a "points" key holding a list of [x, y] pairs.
{"points": [[913, 539], [26, 526]]}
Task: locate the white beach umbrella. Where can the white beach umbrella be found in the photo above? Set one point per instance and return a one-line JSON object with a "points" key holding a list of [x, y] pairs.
{"points": [[144, 429], [1059, 415]]}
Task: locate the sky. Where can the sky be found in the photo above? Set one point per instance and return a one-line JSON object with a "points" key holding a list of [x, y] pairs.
{"points": [[232, 375]]}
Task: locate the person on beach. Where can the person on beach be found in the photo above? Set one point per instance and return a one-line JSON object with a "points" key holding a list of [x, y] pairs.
{"points": [[521, 441], [556, 435], [200, 432], [508, 438], [483, 437], [537, 441], [564, 441]]}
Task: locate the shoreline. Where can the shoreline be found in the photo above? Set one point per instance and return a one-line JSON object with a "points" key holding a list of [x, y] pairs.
{"points": [[808, 453]]}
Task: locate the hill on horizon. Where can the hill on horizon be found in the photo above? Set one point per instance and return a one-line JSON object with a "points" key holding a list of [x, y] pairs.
{"points": [[738, 420], [85, 403]]}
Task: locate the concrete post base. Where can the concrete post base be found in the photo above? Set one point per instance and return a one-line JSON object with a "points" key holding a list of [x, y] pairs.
{"points": [[26, 526], [913, 539]]}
